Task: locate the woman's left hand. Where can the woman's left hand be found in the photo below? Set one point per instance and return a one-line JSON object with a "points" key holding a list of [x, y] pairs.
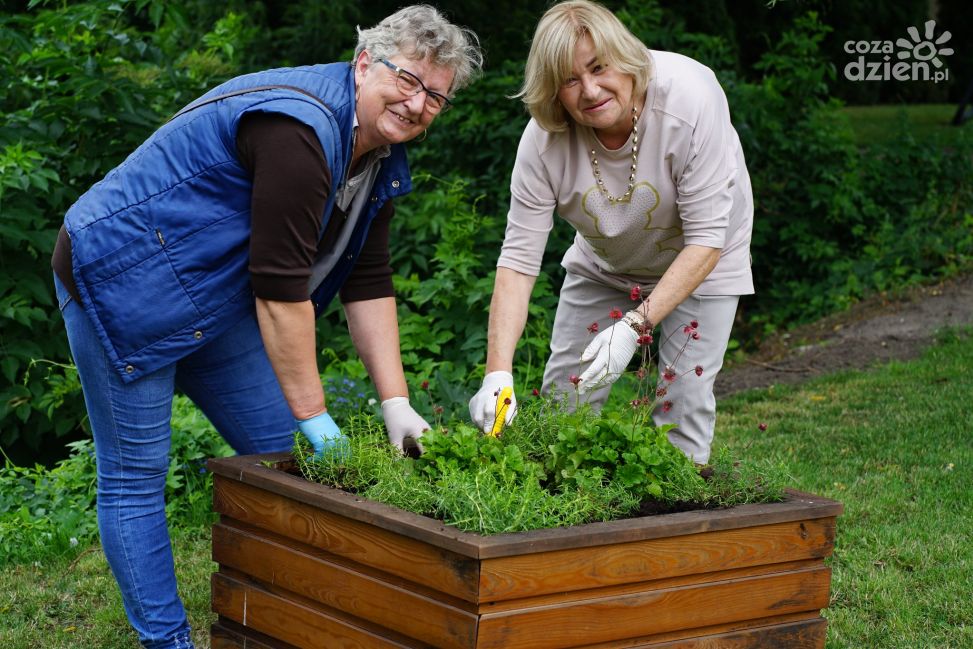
{"points": [[404, 425], [610, 353]]}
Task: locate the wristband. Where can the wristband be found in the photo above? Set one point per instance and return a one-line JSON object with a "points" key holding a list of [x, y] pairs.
{"points": [[638, 322]]}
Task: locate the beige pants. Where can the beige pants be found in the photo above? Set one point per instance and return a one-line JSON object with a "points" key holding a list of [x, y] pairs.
{"points": [[583, 301]]}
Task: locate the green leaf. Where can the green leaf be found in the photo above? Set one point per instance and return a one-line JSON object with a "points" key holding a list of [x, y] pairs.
{"points": [[9, 366]]}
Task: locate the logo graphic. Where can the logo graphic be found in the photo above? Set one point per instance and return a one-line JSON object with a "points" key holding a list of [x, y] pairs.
{"points": [[925, 50], [919, 58]]}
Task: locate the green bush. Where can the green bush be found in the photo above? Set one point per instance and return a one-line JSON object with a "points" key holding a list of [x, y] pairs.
{"points": [[84, 85], [834, 222], [48, 512]]}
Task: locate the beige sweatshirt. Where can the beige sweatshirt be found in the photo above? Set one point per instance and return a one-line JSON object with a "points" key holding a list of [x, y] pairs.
{"points": [[692, 187]]}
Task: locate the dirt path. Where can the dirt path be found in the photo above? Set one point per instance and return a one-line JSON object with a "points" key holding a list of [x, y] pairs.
{"points": [[872, 332]]}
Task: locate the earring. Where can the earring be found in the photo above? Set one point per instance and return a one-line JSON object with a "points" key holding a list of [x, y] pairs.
{"points": [[425, 134]]}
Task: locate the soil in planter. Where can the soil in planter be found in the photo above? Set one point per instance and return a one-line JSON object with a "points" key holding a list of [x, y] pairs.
{"points": [[656, 508]]}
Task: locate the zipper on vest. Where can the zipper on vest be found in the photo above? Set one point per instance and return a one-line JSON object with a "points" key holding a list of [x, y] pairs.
{"points": [[162, 240]]}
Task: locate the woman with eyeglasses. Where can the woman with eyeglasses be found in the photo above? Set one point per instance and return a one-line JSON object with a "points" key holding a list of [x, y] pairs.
{"points": [[635, 149], [202, 261]]}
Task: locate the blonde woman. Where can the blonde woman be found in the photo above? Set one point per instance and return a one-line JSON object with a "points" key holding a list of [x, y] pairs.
{"points": [[635, 149]]}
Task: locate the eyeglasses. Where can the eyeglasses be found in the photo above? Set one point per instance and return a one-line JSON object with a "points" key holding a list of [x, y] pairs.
{"points": [[409, 84]]}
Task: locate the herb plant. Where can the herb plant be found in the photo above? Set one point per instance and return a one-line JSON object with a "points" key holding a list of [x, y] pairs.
{"points": [[574, 468]]}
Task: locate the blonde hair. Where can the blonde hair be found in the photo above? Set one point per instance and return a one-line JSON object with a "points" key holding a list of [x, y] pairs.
{"points": [[551, 56], [421, 32]]}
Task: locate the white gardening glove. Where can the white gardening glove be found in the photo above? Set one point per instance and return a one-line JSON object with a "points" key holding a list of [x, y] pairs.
{"points": [[609, 353], [403, 424], [483, 405]]}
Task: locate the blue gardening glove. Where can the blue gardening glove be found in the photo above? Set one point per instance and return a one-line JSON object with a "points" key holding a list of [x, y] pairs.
{"points": [[324, 436], [404, 425], [609, 353], [483, 405]]}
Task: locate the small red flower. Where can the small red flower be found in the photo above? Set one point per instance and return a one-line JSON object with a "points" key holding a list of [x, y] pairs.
{"points": [[694, 324], [593, 328], [699, 370], [437, 410], [669, 374], [535, 392], [695, 335], [666, 406], [661, 391], [425, 385], [636, 293], [507, 401], [636, 403], [615, 314], [640, 373], [575, 379], [644, 339], [762, 426], [687, 330]]}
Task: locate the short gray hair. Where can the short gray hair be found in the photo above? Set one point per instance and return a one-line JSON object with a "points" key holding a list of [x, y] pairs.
{"points": [[420, 32]]}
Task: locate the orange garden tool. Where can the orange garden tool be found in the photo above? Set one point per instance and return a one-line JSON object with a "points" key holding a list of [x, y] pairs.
{"points": [[503, 404]]}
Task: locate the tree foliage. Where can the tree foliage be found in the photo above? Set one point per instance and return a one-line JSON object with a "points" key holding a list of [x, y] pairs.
{"points": [[85, 84]]}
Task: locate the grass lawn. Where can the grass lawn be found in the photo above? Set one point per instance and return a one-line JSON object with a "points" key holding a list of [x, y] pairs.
{"points": [[895, 445], [75, 603], [926, 122]]}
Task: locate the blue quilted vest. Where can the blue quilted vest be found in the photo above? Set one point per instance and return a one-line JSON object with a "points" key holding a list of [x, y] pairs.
{"points": [[160, 246]]}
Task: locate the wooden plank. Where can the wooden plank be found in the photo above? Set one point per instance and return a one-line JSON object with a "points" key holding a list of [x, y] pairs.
{"points": [[364, 543], [705, 635], [227, 634], [603, 619], [809, 634], [251, 469], [797, 507], [621, 590], [348, 587], [298, 621], [568, 570]]}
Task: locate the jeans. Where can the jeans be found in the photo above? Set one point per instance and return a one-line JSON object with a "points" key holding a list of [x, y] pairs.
{"points": [[231, 380], [583, 301]]}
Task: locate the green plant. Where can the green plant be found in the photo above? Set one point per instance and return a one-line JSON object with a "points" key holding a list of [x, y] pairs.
{"points": [[47, 512], [85, 83], [636, 455], [50, 512], [551, 467]]}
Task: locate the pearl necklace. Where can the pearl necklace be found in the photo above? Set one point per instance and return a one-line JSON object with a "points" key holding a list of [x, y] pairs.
{"points": [[631, 178]]}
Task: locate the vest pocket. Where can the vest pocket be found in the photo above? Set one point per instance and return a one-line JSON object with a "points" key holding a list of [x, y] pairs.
{"points": [[136, 294]]}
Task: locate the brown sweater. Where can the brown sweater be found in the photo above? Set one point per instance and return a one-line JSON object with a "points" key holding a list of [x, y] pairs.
{"points": [[291, 184]]}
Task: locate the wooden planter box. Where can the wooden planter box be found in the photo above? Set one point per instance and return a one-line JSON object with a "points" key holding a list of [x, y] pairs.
{"points": [[304, 565]]}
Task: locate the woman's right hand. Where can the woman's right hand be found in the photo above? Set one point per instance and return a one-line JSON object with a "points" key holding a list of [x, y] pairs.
{"points": [[483, 405], [325, 436]]}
